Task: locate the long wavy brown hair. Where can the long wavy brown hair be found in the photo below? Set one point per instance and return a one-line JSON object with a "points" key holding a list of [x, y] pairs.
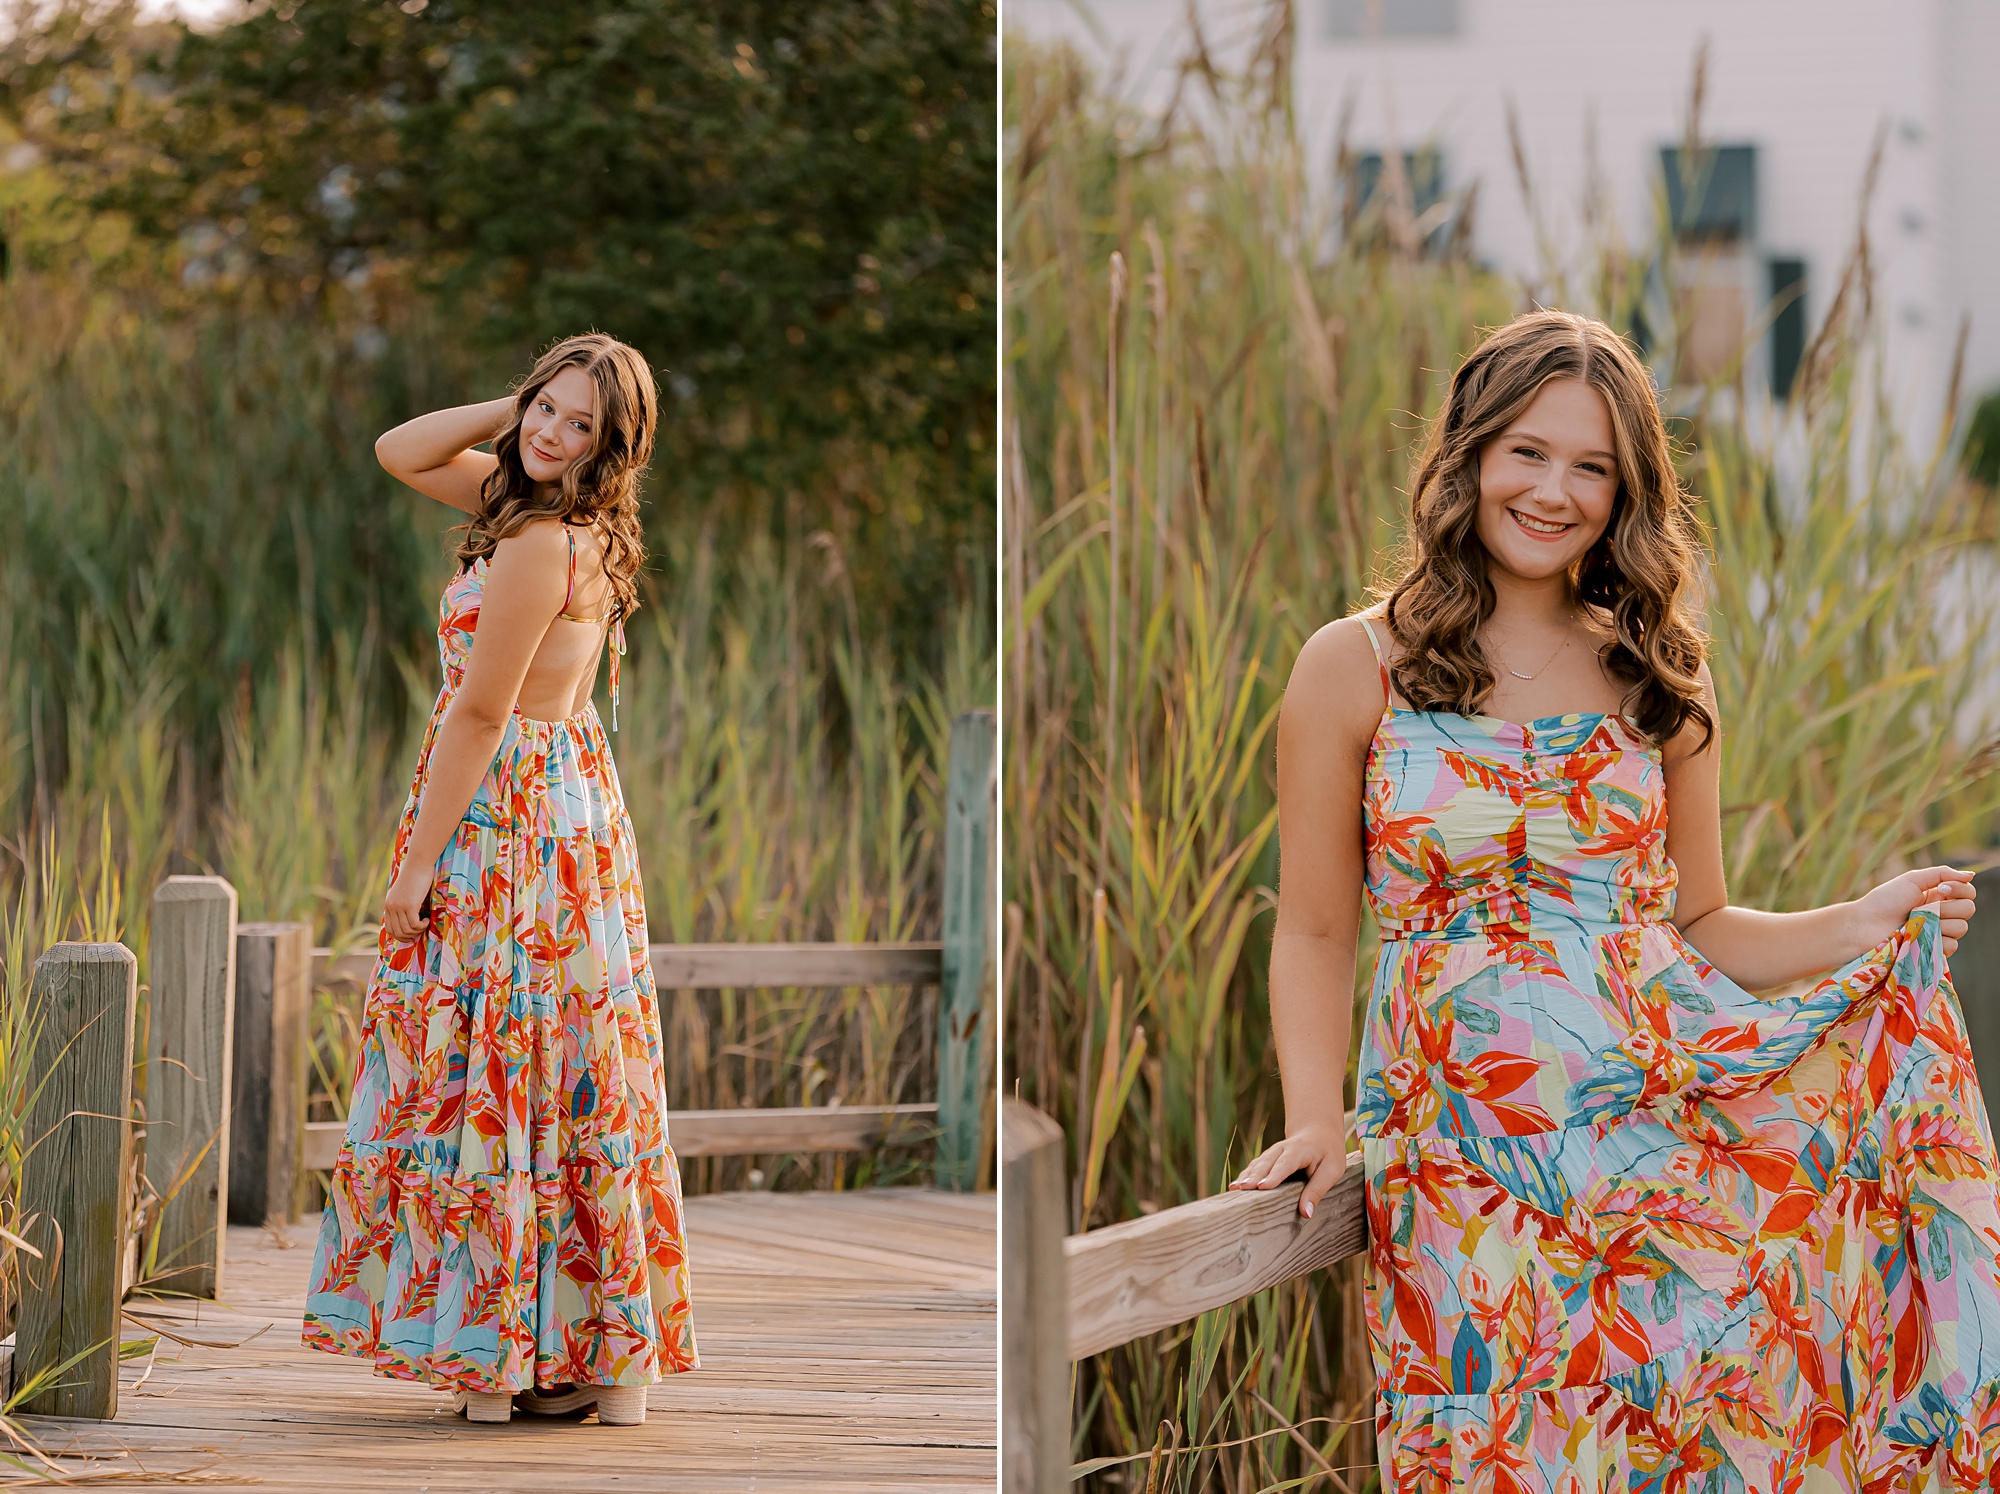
{"points": [[601, 488], [1643, 572]]}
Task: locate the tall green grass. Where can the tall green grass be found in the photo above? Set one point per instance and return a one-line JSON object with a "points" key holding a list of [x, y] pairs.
{"points": [[1209, 414], [219, 653]]}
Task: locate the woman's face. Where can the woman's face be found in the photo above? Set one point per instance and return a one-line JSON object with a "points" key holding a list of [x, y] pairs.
{"points": [[1547, 482], [556, 430]]}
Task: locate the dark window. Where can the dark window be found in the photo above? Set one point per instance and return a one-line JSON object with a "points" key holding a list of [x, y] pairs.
{"points": [[1788, 323], [1365, 18], [1365, 192], [1982, 442], [1712, 193]]}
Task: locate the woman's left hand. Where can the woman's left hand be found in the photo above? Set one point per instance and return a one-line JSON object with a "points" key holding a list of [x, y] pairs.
{"points": [[1882, 911], [406, 913]]}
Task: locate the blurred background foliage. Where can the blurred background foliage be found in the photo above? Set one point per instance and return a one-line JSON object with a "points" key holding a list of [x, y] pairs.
{"points": [[1212, 386], [788, 207], [235, 255]]}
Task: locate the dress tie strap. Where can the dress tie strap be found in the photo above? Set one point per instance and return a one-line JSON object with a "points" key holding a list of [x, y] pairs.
{"points": [[617, 647]]}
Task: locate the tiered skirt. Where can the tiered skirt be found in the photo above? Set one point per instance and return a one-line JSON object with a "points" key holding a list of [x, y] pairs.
{"points": [[506, 1209]]}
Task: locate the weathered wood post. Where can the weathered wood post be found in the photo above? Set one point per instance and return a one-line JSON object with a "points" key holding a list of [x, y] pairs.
{"points": [[1975, 972], [76, 1177], [187, 1081], [966, 985], [268, 1089], [1035, 1365]]}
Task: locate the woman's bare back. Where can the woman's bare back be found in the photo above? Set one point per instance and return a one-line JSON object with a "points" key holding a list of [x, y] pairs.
{"points": [[563, 672]]}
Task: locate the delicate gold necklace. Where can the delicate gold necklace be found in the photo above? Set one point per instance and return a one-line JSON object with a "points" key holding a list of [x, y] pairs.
{"points": [[1545, 663]]}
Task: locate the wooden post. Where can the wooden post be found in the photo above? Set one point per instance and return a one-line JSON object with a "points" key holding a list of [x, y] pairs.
{"points": [[76, 1177], [967, 979], [268, 1092], [1035, 1364], [187, 1081], [1975, 972]]}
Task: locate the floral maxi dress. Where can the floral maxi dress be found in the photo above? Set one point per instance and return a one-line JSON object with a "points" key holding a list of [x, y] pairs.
{"points": [[506, 1210], [1633, 1228]]}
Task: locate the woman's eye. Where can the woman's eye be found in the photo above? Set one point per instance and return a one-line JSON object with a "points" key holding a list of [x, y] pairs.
{"points": [[1527, 451], [1592, 468]]}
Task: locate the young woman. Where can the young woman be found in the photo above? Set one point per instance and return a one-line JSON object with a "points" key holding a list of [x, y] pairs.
{"points": [[505, 1216], [1632, 1227]]}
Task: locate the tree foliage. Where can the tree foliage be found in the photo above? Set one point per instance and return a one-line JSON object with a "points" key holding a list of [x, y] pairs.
{"points": [[787, 206]]}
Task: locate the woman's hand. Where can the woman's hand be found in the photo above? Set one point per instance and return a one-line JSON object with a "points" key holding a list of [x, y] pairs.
{"points": [[406, 913], [1318, 1150], [1879, 913]]}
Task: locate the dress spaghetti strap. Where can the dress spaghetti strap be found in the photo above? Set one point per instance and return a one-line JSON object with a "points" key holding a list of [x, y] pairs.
{"points": [[566, 613], [1381, 664]]}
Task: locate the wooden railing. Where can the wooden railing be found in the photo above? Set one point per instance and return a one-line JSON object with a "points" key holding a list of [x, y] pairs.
{"points": [[1071, 1296], [746, 967], [225, 1138]]}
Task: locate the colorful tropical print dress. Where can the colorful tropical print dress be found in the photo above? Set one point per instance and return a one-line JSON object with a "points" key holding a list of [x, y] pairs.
{"points": [[1633, 1228], [506, 1210]]}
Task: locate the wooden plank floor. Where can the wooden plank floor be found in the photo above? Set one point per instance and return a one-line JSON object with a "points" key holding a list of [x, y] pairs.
{"points": [[849, 1343]]}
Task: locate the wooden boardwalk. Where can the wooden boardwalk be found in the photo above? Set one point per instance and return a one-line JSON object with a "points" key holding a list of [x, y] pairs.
{"points": [[849, 1342]]}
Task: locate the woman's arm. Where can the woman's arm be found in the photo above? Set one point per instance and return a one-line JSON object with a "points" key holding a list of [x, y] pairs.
{"points": [[525, 583], [434, 455], [1331, 710], [1761, 950]]}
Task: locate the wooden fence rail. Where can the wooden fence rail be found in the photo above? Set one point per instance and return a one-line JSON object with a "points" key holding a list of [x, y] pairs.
{"points": [[747, 967], [734, 1133], [1130, 1279], [226, 1135], [733, 967]]}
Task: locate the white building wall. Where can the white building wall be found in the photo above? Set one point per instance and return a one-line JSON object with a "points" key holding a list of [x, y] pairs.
{"points": [[1969, 175], [1808, 82]]}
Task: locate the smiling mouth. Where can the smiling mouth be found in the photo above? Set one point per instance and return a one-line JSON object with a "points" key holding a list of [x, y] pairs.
{"points": [[1540, 528], [543, 455]]}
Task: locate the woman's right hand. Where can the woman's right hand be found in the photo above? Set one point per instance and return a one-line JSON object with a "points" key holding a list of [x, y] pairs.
{"points": [[1320, 1151], [406, 911]]}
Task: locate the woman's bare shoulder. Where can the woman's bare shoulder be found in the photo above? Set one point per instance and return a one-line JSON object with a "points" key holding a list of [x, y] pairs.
{"points": [[534, 556], [1687, 743], [1342, 654], [537, 540], [1336, 683]]}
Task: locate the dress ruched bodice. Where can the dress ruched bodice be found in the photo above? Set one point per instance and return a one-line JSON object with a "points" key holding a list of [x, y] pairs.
{"points": [[1481, 827]]}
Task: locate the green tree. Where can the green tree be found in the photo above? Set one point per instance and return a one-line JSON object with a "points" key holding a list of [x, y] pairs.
{"points": [[787, 206]]}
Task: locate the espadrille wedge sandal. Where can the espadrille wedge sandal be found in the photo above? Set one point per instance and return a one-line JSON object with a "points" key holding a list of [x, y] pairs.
{"points": [[477, 1405], [617, 1405]]}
